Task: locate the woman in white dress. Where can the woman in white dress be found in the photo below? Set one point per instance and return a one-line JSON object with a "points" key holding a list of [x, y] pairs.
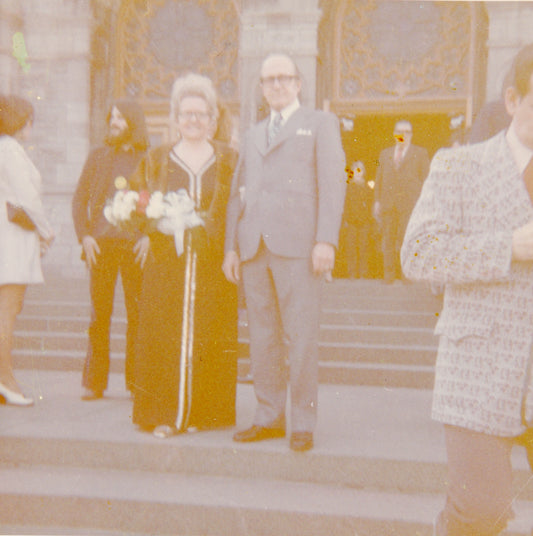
{"points": [[21, 246]]}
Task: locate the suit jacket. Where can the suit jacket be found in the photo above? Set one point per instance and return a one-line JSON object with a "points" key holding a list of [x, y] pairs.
{"points": [[291, 193], [399, 188], [460, 235]]}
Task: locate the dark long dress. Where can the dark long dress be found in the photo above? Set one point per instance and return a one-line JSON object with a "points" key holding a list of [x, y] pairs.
{"points": [[186, 361]]}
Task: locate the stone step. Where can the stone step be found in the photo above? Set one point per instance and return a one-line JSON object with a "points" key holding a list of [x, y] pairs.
{"points": [[366, 437], [369, 353], [153, 503], [331, 334], [416, 377], [384, 346], [60, 313], [364, 294], [38, 325], [378, 467], [363, 317], [371, 334], [42, 346], [43, 341]]}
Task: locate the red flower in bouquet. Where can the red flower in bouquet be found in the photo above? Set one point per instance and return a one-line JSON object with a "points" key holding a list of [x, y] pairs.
{"points": [[142, 203]]}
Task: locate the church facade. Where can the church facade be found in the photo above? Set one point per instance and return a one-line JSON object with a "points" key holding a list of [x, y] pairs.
{"points": [[371, 62]]}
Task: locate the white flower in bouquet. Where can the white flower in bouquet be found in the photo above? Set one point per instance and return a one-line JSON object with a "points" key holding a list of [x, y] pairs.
{"points": [[179, 214], [156, 207], [121, 207]]}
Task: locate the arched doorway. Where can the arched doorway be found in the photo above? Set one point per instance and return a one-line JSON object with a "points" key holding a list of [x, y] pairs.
{"points": [[384, 60], [159, 40]]}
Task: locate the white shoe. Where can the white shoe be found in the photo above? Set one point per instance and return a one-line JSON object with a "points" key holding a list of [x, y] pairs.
{"points": [[13, 398]]}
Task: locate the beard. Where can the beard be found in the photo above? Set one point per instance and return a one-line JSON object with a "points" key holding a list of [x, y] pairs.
{"points": [[118, 137]]}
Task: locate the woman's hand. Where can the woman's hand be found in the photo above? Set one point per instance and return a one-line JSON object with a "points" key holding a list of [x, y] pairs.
{"points": [[45, 244]]}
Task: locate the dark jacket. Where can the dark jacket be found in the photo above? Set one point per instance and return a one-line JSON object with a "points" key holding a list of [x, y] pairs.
{"points": [[100, 170], [400, 187], [93, 188]]}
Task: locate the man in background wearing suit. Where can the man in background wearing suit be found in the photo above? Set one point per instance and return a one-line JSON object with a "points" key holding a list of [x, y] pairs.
{"points": [[108, 249], [400, 175], [472, 231], [282, 229]]}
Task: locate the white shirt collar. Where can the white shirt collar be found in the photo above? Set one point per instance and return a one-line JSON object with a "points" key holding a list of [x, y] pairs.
{"points": [[520, 152], [286, 112], [404, 147]]}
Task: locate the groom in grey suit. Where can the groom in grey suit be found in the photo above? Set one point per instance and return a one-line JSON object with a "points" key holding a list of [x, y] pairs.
{"points": [[283, 221]]}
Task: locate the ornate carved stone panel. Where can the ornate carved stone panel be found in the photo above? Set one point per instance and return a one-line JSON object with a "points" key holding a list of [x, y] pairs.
{"points": [[388, 52], [157, 40]]}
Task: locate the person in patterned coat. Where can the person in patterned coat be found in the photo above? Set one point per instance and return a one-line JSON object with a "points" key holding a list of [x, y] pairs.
{"points": [[472, 231]]}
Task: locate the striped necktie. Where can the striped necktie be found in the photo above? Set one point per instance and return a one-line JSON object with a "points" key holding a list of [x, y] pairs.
{"points": [[274, 127]]}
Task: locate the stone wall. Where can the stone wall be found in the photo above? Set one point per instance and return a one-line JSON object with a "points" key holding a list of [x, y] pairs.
{"points": [[56, 79], [510, 26], [289, 26]]}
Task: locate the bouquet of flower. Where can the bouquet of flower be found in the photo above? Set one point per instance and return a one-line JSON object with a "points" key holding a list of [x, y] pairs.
{"points": [[125, 206], [173, 212]]}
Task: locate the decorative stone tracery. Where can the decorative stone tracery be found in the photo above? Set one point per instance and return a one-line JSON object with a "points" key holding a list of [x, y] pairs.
{"points": [[415, 55], [157, 40]]}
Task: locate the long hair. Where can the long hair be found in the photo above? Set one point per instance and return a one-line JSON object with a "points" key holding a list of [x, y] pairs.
{"points": [[521, 70], [134, 115]]}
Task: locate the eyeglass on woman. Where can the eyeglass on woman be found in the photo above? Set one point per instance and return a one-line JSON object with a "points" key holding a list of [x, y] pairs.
{"points": [[189, 116], [282, 79]]}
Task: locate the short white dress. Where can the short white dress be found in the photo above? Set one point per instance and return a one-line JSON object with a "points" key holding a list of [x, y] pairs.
{"points": [[20, 183]]}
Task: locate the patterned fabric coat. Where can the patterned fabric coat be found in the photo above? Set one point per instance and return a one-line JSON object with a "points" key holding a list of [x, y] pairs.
{"points": [[460, 235]]}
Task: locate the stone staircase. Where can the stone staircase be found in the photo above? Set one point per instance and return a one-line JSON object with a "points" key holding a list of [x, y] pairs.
{"points": [[371, 334], [377, 469]]}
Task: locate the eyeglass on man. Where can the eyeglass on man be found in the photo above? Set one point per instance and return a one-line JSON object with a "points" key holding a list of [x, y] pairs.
{"points": [[282, 79]]}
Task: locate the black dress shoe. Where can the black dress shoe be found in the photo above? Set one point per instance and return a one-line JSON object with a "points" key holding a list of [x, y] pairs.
{"points": [[301, 441], [259, 433], [89, 394]]}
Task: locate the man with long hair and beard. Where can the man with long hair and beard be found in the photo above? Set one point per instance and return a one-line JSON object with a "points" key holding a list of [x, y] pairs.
{"points": [[107, 249]]}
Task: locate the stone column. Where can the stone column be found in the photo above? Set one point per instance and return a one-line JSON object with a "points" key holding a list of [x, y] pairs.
{"points": [[10, 24], [289, 26], [57, 39], [510, 26]]}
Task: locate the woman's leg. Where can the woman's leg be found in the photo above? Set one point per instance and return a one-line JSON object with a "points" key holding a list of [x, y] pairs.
{"points": [[11, 301]]}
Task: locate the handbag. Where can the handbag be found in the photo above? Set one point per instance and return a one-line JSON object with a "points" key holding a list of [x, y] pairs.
{"points": [[17, 215]]}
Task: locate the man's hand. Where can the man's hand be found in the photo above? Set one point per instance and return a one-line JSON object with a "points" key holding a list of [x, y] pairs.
{"points": [[91, 249], [523, 242], [323, 258], [141, 249], [232, 267]]}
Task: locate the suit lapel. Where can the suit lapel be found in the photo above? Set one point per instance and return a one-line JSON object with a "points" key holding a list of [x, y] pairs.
{"points": [[260, 136], [288, 129]]}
